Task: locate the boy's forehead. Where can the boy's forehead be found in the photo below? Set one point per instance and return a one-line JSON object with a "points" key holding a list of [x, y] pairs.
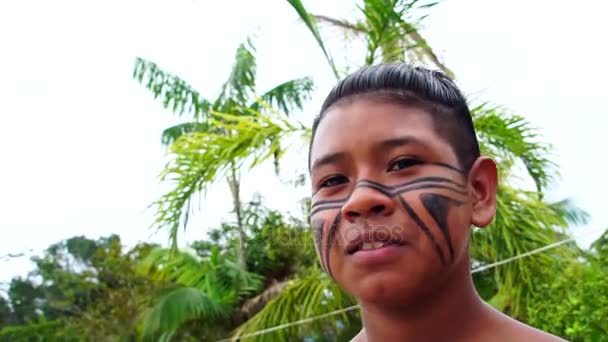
{"points": [[363, 123]]}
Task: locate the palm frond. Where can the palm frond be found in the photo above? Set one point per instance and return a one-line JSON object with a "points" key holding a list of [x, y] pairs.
{"points": [[241, 83], [392, 32], [201, 157], [177, 95], [204, 289], [601, 243], [173, 266], [568, 210], [311, 23], [523, 223], [178, 306], [287, 96], [304, 297], [217, 275], [422, 49], [510, 137], [171, 134]]}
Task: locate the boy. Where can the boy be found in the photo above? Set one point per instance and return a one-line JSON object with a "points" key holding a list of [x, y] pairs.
{"points": [[398, 181]]}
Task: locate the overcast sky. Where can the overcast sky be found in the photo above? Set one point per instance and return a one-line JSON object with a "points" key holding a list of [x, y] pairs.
{"points": [[80, 140]]}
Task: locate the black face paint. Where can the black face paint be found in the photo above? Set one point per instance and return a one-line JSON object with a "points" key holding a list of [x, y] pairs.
{"points": [[333, 229], [317, 230], [421, 183], [438, 206], [327, 205], [423, 227], [392, 191]]}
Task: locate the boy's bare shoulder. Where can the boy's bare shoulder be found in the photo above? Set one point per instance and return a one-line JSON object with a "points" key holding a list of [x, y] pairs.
{"points": [[528, 333], [513, 330], [524, 333], [500, 328]]}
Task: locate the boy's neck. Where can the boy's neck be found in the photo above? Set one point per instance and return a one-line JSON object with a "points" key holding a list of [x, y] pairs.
{"points": [[452, 312]]}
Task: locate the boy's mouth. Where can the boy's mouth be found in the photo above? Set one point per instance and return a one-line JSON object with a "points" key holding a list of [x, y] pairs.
{"points": [[372, 241], [374, 245]]}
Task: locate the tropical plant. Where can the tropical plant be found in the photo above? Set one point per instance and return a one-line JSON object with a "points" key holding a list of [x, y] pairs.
{"points": [[210, 294], [205, 289], [193, 168], [390, 30], [574, 304]]}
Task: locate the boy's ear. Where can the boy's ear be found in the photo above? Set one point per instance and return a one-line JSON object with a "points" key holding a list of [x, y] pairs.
{"points": [[483, 180]]}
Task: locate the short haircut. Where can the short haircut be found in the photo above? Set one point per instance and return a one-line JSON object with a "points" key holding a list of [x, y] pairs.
{"points": [[410, 86]]}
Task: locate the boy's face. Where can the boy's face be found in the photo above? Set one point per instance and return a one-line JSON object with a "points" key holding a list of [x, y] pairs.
{"points": [[391, 209]]}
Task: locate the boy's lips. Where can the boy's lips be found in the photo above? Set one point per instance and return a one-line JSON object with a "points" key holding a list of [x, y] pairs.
{"points": [[371, 240]]}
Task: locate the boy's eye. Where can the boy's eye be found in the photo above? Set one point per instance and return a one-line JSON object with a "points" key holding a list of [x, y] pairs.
{"points": [[403, 163], [333, 181]]}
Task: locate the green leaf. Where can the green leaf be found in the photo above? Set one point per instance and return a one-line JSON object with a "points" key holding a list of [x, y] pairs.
{"points": [[175, 93], [200, 158], [288, 96], [240, 86], [311, 23], [510, 137], [204, 289], [171, 134], [304, 297], [177, 307]]}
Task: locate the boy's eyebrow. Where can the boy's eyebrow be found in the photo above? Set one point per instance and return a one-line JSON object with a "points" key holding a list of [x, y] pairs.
{"points": [[398, 142], [328, 159], [380, 146]]}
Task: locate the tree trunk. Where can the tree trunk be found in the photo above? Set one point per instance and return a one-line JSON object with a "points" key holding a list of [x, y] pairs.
{"points": [[235, 189]]}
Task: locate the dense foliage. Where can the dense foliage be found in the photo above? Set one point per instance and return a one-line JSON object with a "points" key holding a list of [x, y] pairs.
{"points": [[84, 289]]}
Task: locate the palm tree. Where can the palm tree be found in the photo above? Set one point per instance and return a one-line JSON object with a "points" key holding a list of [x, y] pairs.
{"points": [[238, 96], [203, 291]]}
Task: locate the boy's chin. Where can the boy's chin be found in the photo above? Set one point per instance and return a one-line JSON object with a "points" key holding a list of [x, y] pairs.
{"points": [[387, 289]]}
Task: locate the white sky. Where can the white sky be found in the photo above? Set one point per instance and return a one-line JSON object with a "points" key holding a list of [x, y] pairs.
{"points": [[80, 140]]}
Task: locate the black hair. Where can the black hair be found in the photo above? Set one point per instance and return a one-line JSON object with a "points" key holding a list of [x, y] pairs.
{"points": [[429, 90]]}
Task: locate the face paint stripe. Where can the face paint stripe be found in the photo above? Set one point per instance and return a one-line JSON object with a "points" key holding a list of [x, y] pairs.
{"points": [[378, 187], [438, 207], [336, 201], [317, 226], [424, 228], [333, 229], [323, 208], [416, 181], [429, 186], [340, 203], [391, 190]]}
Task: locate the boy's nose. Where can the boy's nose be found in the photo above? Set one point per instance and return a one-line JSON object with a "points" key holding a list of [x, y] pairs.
{"points": [[367, 202]]}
